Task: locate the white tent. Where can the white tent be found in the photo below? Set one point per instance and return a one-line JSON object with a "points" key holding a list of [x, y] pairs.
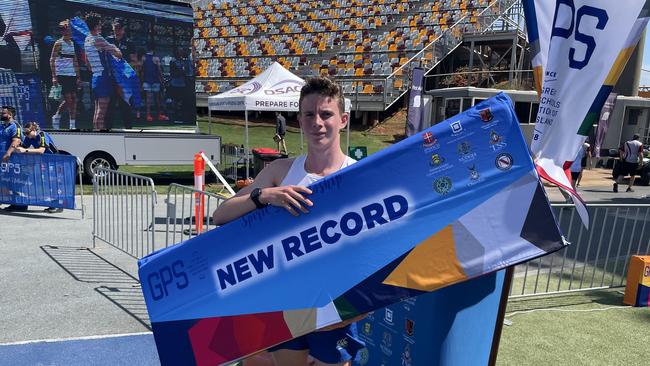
{"points": [[276, 89]]}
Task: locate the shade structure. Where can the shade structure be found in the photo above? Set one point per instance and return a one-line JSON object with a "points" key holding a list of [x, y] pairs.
{"points": [[275, 89]]}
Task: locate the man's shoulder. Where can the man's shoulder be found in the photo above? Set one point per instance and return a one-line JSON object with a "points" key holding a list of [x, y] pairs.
{"points": [[279, 168]]}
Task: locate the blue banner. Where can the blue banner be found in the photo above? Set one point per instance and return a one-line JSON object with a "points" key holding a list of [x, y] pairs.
{"points": [[433, 329], [30, 99], [38, 180], [456, 201]]}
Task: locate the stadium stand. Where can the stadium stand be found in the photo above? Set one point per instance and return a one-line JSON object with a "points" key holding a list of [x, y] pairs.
{"points": [[367, 45]]}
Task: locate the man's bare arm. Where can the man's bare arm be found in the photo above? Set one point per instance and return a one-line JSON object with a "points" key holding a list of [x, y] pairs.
{"points": [[55, 51], [292, 198]]}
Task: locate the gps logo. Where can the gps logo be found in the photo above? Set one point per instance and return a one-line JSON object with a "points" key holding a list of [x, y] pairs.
{"points": [[567, 20], [10, 167], [166, 276]]}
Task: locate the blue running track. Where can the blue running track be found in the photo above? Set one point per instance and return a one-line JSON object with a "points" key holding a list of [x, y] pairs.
{"points": [[139, 349]]}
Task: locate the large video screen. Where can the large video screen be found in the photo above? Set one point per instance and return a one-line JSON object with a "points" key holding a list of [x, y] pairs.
{"points": [[97, 64]]}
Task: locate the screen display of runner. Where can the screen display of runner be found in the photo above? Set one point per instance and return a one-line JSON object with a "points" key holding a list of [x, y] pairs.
{"points": [[97, 65]]}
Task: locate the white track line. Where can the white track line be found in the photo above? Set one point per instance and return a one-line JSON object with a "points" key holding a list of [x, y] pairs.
{"points": [[52, 340]]}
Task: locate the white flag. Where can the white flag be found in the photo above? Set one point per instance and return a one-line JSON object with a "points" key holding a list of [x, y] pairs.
{"points": [[580, 49]]}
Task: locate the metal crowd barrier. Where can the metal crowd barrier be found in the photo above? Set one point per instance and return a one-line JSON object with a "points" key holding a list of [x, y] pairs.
{"points": [[597, 258], [233, 161], [124, 217], [181, 216], [123, 211]]}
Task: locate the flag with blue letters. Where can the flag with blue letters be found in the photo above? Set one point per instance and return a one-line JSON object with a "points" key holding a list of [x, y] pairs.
{"points": [[580, 48]]}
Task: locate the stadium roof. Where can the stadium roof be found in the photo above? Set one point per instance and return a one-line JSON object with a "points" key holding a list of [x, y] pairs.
{"points": [[161, 9]]}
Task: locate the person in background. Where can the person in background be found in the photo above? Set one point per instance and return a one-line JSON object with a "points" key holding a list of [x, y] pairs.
{"points": [[631, 158], [177, 82], [127, 48], [65, 72], [151, 81], [283, 184], [588, 155], [36, 141], [97, 52], [576, 168], [280, 131], [10, 139]]}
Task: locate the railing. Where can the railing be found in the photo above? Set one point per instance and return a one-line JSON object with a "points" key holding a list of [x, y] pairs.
{"points": [[123, 211], [124, 217], [233, 162], [181, 214], [522, 80], [597, 258]]}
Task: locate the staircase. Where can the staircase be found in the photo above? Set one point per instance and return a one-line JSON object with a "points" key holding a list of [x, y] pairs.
{"points": [[500, 15]]}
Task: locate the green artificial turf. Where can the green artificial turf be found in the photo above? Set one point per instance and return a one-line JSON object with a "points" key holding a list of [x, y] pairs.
{"points": [[567, 335]]}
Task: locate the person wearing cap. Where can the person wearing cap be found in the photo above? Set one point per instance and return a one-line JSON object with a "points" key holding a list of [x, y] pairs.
{"points": [[65, 72], [36, 141], [10, 139], [631, 154]]}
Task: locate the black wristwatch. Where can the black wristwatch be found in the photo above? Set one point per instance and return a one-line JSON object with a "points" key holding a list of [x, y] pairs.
{"points": [[255, 197]]}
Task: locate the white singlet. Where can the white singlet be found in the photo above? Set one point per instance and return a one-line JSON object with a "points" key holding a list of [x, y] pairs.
{"points": [[64, 61], [298, 176], [92, 54]]}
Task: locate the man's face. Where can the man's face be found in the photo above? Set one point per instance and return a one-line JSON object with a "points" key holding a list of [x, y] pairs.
{"points": [[118, 30], [5, 115], [321, 120]]}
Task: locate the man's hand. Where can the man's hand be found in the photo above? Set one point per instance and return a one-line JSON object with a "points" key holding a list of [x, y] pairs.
{"points": [[290, 197], [5, 157]]}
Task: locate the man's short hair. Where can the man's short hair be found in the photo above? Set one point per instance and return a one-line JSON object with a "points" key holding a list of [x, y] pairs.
{"points": [[324, 87], [636, 136], [92, 20], [11, 109]]}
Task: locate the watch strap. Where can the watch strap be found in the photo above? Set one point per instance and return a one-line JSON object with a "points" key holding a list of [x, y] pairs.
{"points": [[255, 197]]}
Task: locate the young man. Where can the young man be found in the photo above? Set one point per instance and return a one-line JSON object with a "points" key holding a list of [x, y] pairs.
{"points": [[631, 157], [97, 52], [65, 72], [36, 141], [10, 139], [321, 116]]}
